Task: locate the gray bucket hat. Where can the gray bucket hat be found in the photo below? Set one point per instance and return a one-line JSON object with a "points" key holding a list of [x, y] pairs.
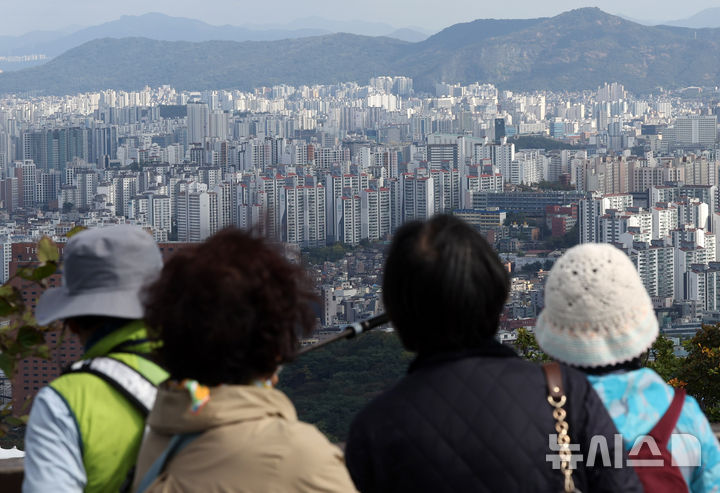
{"points": [[104, 271]]}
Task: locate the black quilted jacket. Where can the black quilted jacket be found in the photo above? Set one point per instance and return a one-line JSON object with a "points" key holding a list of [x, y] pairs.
{"points": [[473, 422]]}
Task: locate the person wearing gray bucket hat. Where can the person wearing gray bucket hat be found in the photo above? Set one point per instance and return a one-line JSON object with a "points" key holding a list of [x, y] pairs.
{"points": [[85, 428], [599, 318], [104, 271]]}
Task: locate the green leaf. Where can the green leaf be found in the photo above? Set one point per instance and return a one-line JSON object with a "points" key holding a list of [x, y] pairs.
{"points": [[37, 274], [13, 421], [47, 270], [75, 231], [7, 364], [6, 308], [29, 336], [25, 273], [7, 291], [42, 352], [47, 250]]}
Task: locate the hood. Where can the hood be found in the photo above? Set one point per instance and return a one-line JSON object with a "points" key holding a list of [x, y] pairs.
{"points": [[228, 404]]}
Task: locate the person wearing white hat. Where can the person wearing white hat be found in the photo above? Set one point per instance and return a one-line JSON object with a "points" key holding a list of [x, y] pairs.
{"points": [[599, 318], [85, 428]]}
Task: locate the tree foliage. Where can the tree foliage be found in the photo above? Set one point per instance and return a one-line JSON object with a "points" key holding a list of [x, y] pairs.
{"points": [[700, 370], [526, 345], [515, 217], [569, 239], [329, 386], [331, 253], [538, 142], [20, 335], [534, 267], [662, 359], [554, 185]]}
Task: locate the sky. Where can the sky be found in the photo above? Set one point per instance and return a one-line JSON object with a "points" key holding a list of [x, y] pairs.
{"points": [[32, 15]]}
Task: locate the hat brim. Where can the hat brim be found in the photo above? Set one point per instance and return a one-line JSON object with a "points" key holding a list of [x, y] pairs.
{"points": [[57, 303], [588, 349]]}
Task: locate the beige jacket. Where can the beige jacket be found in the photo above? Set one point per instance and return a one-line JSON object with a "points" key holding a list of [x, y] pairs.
{"points": [[251, 441]]}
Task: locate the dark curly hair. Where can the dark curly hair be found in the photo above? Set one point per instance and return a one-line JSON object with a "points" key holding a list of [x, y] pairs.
{"points": [[228, 310], [444, 286]]}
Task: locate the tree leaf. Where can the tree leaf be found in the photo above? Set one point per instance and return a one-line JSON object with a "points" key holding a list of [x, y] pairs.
{"points": [[44, 271], [7, 291], [13, 421], [42, 352], [75, 231], [29, 336], [6, 308], [47, 250], [7, 364], [25, 273]]}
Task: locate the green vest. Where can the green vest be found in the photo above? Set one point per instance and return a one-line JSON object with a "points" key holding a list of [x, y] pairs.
{"points": [[110, 427]]}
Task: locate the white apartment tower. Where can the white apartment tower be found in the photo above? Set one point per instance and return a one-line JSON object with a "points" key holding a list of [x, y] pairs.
{"points": [[198, 122], [418, 198]]}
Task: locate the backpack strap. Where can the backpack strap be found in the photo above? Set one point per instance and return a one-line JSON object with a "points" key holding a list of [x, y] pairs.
{"points": [[662, 431], [132, 384], [177, 443]]}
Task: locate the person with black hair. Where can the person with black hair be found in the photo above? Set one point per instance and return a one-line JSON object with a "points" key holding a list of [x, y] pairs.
{"points": [[470, 415], [229, 312]]}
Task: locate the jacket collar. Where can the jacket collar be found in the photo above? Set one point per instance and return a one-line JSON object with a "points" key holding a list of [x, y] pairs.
{"points": [[228, 404], [112, 336], [492, 348]]}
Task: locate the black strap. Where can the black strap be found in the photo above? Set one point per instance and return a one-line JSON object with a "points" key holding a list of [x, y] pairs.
{"points": [[121, 348]]}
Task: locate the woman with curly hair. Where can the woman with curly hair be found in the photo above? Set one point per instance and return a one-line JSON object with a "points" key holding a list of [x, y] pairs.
{"points": [[229, 311]]}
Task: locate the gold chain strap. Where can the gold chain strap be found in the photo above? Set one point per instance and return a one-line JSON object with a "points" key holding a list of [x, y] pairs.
{"points": [[563, 440]]}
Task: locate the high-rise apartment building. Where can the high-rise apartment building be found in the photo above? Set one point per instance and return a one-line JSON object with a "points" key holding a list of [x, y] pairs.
{"points": [[125, 188], [655, 262], [197, 212], [593, 207], [351, 220], [198, 122], [694, 130], [304, 221], [439, 154], [418, 197], [375, 210], [26, 173]]}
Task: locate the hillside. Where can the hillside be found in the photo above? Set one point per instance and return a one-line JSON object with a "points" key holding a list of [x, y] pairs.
{"points": [[575, 50], [579, 49], [705, 18], [163, 27], [132, 63]]}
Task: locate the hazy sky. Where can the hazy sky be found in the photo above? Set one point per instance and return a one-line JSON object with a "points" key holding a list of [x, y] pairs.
{"points": [[22, 16]]}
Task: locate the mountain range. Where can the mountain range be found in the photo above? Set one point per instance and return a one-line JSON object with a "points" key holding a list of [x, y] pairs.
{"points": [[705, 18], [579, 49], [167, 28]]}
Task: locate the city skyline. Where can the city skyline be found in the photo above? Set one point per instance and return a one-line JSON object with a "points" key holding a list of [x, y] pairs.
{"points": [[336, 169], [44, 15]]}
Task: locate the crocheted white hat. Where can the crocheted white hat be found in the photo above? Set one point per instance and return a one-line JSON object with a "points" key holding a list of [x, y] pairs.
{"points": [[597, 311]]}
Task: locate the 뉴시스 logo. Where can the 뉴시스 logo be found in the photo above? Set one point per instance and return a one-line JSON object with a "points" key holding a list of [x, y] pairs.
{"points": [[685, 452]]}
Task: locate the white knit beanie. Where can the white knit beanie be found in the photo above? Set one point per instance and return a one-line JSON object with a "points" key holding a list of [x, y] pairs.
{"points": [[597, 311]]}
